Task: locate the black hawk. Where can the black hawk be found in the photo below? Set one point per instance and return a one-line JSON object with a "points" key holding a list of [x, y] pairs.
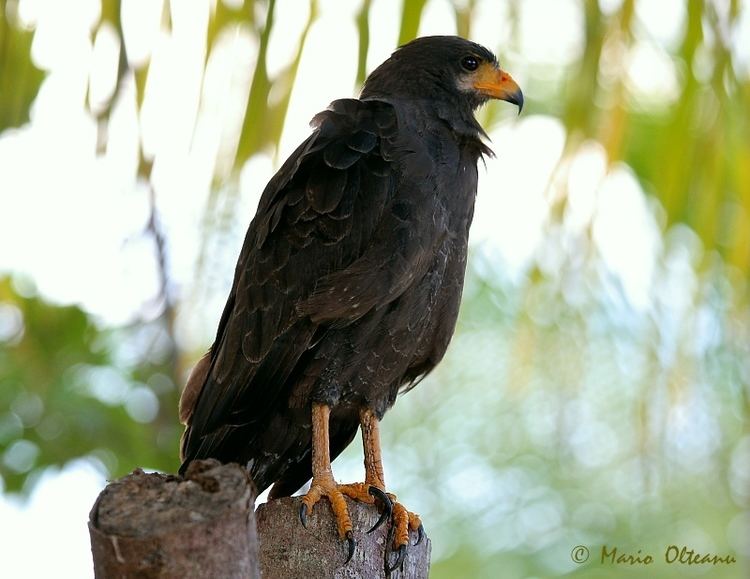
{"points": [[348, 284]]}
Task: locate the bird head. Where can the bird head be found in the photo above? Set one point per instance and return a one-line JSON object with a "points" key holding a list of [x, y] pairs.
{"points": [[444, 68]]}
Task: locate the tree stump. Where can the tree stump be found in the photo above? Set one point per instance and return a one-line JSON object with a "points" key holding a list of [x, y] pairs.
{"points": [[203, 525], [289, 550], [155, 525]]}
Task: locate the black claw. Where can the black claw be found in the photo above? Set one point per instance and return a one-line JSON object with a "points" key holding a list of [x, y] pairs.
{"points": [[384, 516], [352, 544], [303, 514], [420, 534], [379, 494], [387, 506], [399, 560]]}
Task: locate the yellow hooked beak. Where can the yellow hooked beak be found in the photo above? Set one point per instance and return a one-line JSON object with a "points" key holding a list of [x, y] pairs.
{"points": [[498, 84]]}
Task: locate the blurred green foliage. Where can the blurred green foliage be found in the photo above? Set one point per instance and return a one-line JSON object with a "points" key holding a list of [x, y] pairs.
{"points": [[581, 420], [584, 438], [69, 388], [20, 79]]}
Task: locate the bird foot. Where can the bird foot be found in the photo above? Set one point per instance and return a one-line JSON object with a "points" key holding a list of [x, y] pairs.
{"points": [[326, 486], [368, 493], [403, 520]]}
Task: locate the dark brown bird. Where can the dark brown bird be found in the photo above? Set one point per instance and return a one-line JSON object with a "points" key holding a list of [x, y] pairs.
{"points": [[348, 285]]}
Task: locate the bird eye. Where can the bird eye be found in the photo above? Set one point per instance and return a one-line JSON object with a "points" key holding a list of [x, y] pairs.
{"points": [[470, 63]]}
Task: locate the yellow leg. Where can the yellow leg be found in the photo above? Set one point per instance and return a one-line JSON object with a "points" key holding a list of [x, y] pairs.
{"points": [[373, 464], [323, 484], [403, 520]]}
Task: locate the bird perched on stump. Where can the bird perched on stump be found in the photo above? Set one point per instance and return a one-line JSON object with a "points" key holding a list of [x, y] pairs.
{"points": [[347, 288]]}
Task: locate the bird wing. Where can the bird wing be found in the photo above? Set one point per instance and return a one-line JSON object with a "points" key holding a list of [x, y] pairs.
{"points": [[336, 234]]}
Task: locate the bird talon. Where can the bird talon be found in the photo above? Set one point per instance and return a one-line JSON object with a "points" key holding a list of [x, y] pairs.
{"points": [[399, 559], [303, 514], [352, 544], [420, 534], [384, 516], [379, 494], [387, 506]]}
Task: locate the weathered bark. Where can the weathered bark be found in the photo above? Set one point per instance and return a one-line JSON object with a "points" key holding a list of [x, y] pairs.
{"points": [[155, 525], [289, 550]]}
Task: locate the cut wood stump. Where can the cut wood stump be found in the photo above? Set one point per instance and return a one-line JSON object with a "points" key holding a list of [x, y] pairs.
{"points": [[289, 550], [156, 525], [203, 526]]}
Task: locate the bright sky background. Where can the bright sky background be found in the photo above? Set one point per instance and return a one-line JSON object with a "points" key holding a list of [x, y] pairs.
{"points": [[76, 220]]}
